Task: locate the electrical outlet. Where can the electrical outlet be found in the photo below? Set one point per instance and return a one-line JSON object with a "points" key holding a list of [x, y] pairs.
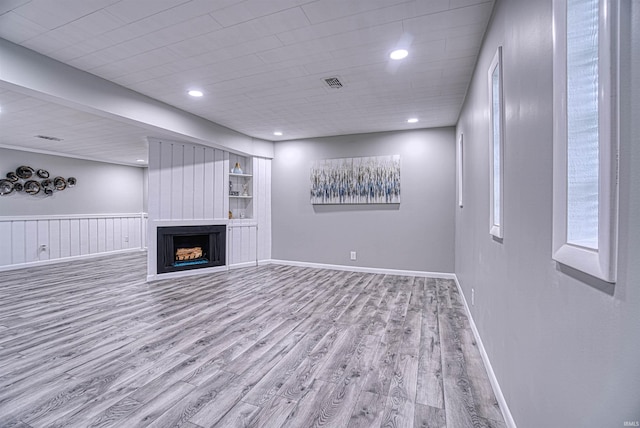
{"points": [[473, 297], [126, 239], [43, 247], [353, 255]]}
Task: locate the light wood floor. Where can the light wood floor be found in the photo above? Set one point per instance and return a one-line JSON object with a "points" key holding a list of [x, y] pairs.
{"points": [[90, 344]]}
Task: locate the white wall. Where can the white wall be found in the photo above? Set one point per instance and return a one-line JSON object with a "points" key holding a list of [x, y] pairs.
{"points": [[416, 235], [102, 213], [564, 347]]}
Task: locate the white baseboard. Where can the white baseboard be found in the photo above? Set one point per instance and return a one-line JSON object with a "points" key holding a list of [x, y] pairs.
{"points": [[362, 269], [245, 265], [67, 259], [504, 408]]}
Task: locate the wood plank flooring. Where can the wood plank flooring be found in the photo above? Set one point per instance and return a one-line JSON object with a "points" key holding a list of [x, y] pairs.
{"points": [[90, 344]]}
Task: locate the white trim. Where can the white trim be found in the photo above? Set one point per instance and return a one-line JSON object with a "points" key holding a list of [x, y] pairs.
{"points": [[424, 274], [242, 223], [504, 408], [67, 259], [242, 265], [198, 222], [496, 230], [602, 262], [71, 216]]}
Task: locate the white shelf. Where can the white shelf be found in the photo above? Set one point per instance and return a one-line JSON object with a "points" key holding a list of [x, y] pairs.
{"points": [[242, 222], [241, 203]]}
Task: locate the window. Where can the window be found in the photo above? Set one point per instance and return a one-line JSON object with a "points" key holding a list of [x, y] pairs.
{"points": [[585, 137], [496, 157], [459, 168]]}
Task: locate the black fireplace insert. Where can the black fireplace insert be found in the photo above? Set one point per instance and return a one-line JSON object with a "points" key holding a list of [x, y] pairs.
{"points": [[191, 247]]}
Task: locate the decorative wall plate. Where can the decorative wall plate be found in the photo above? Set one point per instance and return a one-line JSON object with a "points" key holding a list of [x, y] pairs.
{"points": [[24, 172], [33, 181], [47, 184], [6, 187], [59, 183], [32, 187]]}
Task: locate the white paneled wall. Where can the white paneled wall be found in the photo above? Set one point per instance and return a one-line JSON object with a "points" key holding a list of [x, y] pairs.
{"points": [[189, 183], [242, 243], [262, 205], [29, 239]]}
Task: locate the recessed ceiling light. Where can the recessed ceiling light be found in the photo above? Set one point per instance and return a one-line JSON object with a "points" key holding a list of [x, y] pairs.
{"points": [[195, 93], [277, 133], [399, 54], [412, 120]]}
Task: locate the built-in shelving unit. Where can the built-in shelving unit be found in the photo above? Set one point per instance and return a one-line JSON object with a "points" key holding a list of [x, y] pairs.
{"points": [[241, 187]]}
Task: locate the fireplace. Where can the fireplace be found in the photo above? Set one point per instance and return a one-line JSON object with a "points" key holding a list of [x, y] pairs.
{"points": [[190, 247]]}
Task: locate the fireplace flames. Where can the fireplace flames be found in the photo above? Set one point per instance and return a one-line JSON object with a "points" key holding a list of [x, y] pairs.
{"points": [[188, 253]]}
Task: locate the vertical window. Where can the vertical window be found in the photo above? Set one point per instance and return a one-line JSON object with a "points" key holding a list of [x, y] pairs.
{"points": [[582, 123], [460, 165], [496, 179], [585, 137]]}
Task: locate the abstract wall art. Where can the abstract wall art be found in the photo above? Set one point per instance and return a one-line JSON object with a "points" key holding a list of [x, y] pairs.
{"points": [[363, 180]]}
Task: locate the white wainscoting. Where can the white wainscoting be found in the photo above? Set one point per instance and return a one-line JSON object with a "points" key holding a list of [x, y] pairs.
{"points": [[39, 239], [242, 237]]}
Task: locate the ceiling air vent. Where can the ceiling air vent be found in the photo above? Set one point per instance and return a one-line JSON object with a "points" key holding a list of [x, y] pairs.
{"points": [[333, 82], [46, 137]]}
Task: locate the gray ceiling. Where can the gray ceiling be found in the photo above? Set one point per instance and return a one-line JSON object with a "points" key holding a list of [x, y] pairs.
{"points": [[260, 63]]}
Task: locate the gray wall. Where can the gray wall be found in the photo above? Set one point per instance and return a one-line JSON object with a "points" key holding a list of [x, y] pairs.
{"points": [[565, 347], [418, 234], [102, 188]]}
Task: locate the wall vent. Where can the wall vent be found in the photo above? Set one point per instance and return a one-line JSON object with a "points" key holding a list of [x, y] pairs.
{"points": [[333, 82], [46, 137]]}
